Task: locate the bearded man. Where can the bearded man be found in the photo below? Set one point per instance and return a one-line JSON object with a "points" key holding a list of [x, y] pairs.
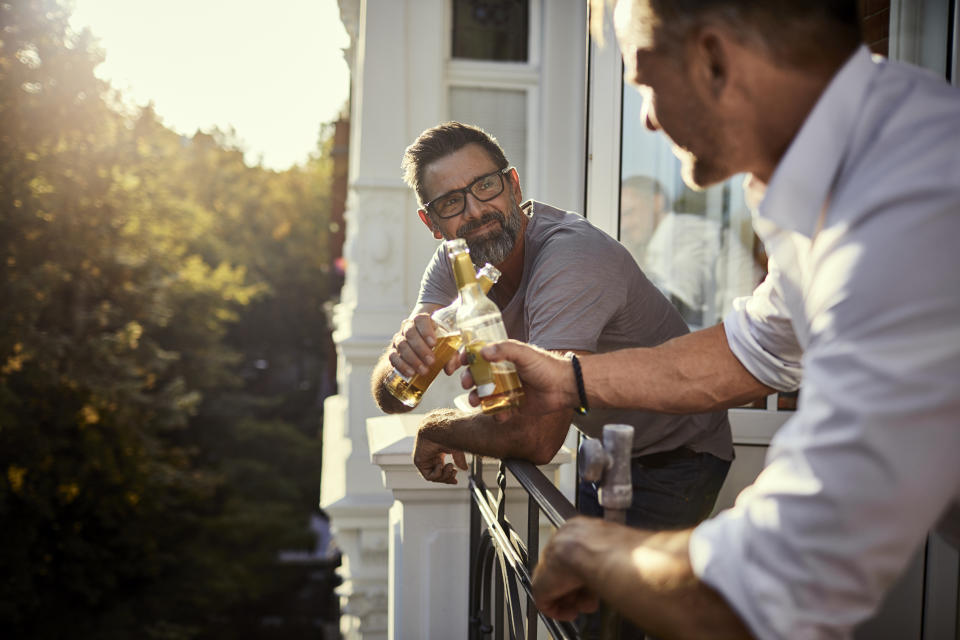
{"points": [[565, 286]]}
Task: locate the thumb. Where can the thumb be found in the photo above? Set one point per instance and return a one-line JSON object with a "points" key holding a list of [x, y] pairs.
{"points": [[507, 350], [460, 459]]}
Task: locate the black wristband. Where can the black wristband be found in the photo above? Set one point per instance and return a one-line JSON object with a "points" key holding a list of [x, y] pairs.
{"points": [[578, 374]]}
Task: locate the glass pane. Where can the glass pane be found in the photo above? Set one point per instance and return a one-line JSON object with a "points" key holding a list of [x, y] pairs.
{"points": [[697, 247], [490, 29], [501, 113]]}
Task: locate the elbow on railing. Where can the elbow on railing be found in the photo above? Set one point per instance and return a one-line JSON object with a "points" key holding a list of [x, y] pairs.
{"points": [[524, 445], [540, 455]]}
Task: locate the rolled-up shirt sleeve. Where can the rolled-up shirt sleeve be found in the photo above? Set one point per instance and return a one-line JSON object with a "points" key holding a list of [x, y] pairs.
{"points": [[761, 336], [850, 489], [869, 463]]}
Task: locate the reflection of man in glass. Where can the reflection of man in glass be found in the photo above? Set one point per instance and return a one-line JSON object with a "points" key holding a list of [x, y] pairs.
{"points": [[643, 204], [688, 256]]}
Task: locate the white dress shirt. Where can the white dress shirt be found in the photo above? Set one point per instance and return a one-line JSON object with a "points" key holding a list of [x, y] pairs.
{"points": [[861, 221]]}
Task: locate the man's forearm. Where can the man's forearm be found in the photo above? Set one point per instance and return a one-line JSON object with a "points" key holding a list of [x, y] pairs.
{"points": [[645, 576], [534, 439], [694, 373]]}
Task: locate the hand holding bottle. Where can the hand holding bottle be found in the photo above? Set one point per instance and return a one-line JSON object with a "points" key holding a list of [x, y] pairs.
{"points": [[480, 322], [548, 380], [427, 343], [412, 346]]}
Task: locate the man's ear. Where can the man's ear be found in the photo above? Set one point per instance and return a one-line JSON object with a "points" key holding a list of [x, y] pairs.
{"points": [[433, 226], [513, 178], [709, 55]]}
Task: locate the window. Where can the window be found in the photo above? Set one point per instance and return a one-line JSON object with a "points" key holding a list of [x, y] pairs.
{"points": [[697, 247], [501, 112], [491, 30]]}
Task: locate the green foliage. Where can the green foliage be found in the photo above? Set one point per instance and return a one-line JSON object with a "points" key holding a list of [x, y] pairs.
{"points": [[163, 354]]}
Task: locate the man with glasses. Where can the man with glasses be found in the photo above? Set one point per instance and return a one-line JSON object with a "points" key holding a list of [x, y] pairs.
{"points": [[565, 286]]}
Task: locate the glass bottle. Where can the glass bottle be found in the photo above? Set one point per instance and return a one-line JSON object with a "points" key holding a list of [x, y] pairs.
{"points": [[480, 322], [410, 390]]}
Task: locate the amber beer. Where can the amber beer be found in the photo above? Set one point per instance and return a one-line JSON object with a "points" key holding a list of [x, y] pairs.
{"points": [[410, 391], [480, 322]]}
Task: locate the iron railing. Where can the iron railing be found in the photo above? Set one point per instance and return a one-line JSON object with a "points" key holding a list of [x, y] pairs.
{"points": [[501, 562]]}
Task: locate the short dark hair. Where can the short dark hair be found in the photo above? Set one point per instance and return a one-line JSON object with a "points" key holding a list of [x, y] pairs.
{"points": [[440, 141], [797, 33]]}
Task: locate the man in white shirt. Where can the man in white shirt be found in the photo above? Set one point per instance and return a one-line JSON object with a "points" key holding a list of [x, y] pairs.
{"points": [[854, 167]]}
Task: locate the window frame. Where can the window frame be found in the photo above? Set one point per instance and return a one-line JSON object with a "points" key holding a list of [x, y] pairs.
{"points": [[468, 73]]}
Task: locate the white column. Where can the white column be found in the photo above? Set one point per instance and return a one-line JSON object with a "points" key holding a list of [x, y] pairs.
{"points": [[429, 534], [396, 85]]}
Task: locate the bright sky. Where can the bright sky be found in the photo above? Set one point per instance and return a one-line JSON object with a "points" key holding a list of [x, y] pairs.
{"points": [[274, 71]]}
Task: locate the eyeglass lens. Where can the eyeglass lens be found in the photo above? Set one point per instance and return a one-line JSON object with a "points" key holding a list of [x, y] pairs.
{"points": [[483, 189]]}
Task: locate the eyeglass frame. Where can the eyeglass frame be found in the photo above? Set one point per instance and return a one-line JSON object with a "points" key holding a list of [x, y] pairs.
{"points": [[468, 189]]}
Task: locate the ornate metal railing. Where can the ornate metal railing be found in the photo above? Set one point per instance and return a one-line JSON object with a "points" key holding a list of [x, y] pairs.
{"points": [[501, 562]]}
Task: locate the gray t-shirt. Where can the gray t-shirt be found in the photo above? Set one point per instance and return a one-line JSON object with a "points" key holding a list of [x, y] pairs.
{"points": [[582, 290]]}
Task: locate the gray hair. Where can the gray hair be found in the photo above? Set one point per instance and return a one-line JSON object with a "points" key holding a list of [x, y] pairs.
{"points": [[440, 141], [796, 33]]}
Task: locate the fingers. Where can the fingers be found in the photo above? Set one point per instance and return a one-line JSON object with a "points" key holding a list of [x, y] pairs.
{"points": [[511, 350], [452, 365], [466, 381], [448, 475], [437, 471], [523, 355], [560, 592], [423, 324], [429, 459], [413, 345], [568, 606]]}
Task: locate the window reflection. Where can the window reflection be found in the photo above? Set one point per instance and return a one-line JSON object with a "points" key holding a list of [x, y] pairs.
{"points": [[491, 29], [698, 248]]}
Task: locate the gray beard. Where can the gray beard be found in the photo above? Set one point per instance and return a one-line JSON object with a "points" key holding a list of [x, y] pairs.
{"points": [[496, 247]]}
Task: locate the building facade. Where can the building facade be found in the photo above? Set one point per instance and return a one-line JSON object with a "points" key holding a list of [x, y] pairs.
{"points": [[526, 71], [515, 68]]}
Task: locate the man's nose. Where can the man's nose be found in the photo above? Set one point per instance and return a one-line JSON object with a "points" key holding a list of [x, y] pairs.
{"points": [[472, 207]]}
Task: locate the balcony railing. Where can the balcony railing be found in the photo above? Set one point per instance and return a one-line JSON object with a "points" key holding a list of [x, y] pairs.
{"points": [[501, 562]]}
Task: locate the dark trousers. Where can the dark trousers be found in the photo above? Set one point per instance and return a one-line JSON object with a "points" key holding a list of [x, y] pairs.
{"points": [[671, 490]]}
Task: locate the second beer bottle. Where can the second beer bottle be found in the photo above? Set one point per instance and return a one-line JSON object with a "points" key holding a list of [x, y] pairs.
{"points": [[480, 322], [410, 390]]}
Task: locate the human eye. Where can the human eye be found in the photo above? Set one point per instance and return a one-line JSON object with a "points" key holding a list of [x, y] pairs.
{"points": [[487, 183], [449, 203]]}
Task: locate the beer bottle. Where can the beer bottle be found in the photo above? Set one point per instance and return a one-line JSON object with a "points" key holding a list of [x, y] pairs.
{"points": [[480, 322], [410, 390]]}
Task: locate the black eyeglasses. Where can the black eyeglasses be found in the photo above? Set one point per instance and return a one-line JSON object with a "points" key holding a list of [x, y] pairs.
{"points": [[452, 203]]}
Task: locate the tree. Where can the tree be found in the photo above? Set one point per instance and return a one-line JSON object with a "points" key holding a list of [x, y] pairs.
{"points": [[149, 471]]}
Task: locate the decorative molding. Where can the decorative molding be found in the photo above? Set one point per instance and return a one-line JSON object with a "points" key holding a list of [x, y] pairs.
{"points": [[378, 242]]}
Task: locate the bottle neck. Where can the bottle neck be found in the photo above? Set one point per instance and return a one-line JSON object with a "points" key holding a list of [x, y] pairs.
{"points": [[446, 317], [485, 284], [472, 293], [463, 271]]}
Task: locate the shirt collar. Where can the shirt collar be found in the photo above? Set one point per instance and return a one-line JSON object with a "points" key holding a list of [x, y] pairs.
{"points": [[805, 175]]}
